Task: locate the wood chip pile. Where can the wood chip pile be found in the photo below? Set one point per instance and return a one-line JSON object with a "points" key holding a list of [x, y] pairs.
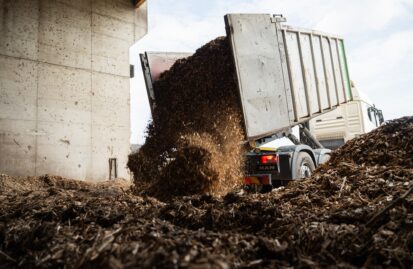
{"points": [[194, 145], [356, 210]]}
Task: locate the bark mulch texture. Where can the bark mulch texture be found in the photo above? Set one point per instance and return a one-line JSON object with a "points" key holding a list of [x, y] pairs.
{"points": [[355, 211]]}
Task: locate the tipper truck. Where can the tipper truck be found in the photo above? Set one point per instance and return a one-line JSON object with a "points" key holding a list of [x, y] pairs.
{"points": [[286, 76]]}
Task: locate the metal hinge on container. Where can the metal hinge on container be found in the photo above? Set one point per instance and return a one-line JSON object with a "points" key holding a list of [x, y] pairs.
{"points": [[278, 18]]}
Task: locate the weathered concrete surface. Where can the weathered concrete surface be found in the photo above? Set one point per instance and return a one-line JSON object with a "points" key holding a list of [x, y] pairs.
{"points": [[64, 85]]}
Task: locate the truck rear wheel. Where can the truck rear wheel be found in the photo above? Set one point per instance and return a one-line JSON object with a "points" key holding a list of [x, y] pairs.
{"points": [[304, 166]]}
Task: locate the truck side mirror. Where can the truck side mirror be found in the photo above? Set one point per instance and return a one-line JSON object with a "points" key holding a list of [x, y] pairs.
{"points": [[380, 116]]}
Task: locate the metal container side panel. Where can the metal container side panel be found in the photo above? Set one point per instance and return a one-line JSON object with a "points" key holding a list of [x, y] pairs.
{"points": [[286, 76], [310, 73], [319, 70], [328, 65], [148, 80], [259, 67], [297, 81], [337, 71], [344, 68]]}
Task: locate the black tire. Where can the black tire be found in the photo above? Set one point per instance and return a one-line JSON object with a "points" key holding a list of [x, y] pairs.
{"points": [[304, 166], [266, 188]]}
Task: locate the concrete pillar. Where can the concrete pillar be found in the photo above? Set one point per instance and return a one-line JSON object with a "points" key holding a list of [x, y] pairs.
{"points": [[64, 85]]}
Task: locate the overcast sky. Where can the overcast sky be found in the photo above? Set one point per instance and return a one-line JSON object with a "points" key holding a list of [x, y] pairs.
{"points": [[378, 36]]}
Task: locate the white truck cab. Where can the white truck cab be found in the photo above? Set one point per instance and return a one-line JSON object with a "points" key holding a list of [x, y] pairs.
{"points": [[350, 120]]}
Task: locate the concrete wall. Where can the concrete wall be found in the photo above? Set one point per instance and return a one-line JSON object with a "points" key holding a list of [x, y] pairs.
{"points": [[64, 85]]}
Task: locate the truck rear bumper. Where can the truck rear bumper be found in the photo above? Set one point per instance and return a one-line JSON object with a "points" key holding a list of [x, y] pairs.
{"points": [[263, 182], [258, 183]]}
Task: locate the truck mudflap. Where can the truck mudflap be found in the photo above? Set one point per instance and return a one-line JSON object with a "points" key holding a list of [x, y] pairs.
{"points": [[322, 155]]}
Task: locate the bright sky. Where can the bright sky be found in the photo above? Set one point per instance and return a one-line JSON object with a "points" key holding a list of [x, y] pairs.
{"points": [[378, 36]]}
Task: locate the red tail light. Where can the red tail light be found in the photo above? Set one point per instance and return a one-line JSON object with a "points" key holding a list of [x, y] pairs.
{"points": [[265, 180], [269, 159]]}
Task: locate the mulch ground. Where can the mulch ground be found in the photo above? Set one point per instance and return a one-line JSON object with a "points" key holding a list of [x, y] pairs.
{"points": [[355, 211]]}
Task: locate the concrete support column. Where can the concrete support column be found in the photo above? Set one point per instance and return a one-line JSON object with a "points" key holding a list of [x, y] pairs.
{"points": [[64, 85]]}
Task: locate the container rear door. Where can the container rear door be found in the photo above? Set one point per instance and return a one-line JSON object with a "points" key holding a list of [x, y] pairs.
{"points": [[262, 80]]}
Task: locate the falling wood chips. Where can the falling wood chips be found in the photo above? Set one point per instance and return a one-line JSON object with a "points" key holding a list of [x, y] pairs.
{"points": [[194, 144]]}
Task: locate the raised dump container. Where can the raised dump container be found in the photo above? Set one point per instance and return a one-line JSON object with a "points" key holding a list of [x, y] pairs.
{"points": [[286, 75]]}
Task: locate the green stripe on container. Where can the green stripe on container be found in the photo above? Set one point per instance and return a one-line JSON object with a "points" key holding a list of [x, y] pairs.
{"points": [[344, 68]]}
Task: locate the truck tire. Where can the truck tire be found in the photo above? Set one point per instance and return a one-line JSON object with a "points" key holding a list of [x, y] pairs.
{"points": [[304, 166]]}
